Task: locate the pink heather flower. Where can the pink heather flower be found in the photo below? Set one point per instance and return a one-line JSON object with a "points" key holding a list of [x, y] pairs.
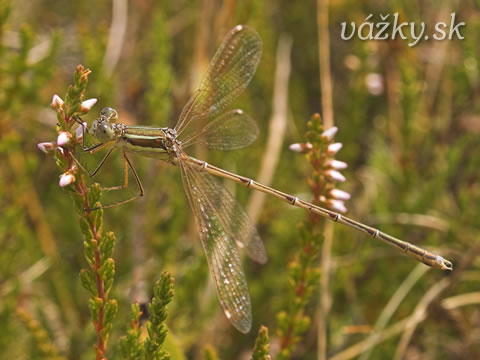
{"points": [[374, 82], [66, 179], [330, 133], [57, 102], [88, 104], [334, 148], [337, 205], [336, 164], [335, 175], [79, 131], [339, 194], [63, 138], [297, 147], [46, 147]]}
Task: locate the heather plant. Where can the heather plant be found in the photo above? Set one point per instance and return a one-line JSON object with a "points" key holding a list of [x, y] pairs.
{"points": [[408, 121], [320, 150], [261, 351], [98, 277], [98, 244]]}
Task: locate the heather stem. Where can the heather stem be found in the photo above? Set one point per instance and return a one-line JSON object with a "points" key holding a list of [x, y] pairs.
{"points": [[98, 246]]}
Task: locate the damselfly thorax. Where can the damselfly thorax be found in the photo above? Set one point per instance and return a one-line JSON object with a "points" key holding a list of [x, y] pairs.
{"points": [[152, 142]]}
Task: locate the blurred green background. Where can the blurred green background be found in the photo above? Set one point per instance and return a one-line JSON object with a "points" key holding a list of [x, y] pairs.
{"points": [[408, 120]]}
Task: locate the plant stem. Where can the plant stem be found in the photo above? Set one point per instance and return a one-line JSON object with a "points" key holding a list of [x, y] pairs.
{"points": [[100, 347], [327, 113]]}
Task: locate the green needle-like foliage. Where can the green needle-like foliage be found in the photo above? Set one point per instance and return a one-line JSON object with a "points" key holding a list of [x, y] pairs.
{"points": [[261, 351], [131, 346], [156, 328]]}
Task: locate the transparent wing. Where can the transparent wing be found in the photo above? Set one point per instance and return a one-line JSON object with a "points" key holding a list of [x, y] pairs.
{"points": [[226, 208], [209, 200], [229, 73], [233, 130]]}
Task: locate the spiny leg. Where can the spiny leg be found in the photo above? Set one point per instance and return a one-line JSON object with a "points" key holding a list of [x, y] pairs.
{"points": [[80, 123], [97, 148], [125, 175], [101, 163], [91, 149], [126, 164]]}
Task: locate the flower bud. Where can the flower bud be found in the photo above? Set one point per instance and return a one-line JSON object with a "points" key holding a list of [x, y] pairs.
{"points": [[334, 148], [339, 194], [57, 102], [335, 175], [88, 104], [46, 147], [336, 164], [300, 147], [79, 131], [66, 179], [63, 138], [337, 205], [330, 133]]}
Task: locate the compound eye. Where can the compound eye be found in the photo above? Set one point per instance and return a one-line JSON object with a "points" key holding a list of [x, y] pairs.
{"points": [[109, 114], [104, 131]]}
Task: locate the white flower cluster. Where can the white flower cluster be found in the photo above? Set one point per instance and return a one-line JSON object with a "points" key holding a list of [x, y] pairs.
{"points": [[65, 137], [334, 198]]}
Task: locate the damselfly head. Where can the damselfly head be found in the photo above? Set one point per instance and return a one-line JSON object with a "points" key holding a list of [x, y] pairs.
{"points": [[103, 128]]}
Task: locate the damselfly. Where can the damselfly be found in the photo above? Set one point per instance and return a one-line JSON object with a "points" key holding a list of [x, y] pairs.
{"points": [[222, 223]]}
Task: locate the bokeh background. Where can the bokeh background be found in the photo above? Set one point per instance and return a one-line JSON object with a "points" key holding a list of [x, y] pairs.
{"points": [[408, 120]]}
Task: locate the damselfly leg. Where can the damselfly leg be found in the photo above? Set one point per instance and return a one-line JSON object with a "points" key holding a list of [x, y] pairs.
{"points": [[127, 164]]}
